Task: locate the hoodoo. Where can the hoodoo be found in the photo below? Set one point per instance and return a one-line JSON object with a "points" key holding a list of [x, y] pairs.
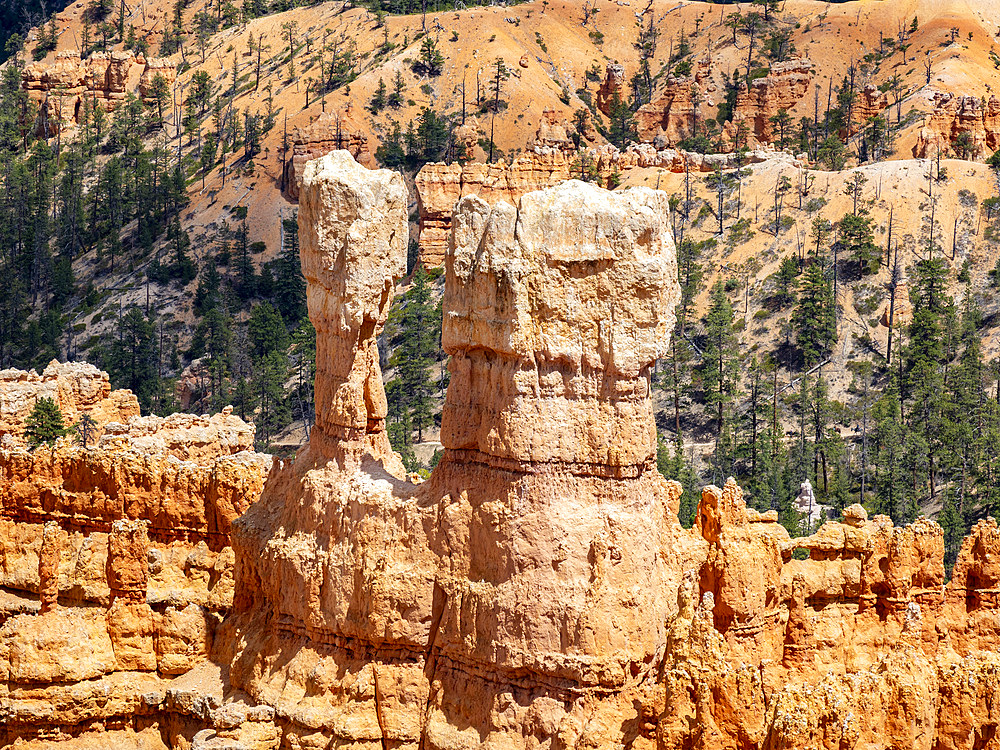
{"points": [[535, 568]]}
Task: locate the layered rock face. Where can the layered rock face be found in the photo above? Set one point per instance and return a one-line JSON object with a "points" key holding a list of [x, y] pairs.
{"points": [[671, 117], [612, 85], [103, 79], [156, 67], [330, 131], [537, 590], [76, 387], [869, 103], [964, 126], [440, 186], [115, 559], [784, 85]]}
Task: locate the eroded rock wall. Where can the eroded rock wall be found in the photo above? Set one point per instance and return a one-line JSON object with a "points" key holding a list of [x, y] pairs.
{"points": [[329, 132], [552, 160], [783, 86], [431, 595], [537, 589], [62, 88], [115, 558], [964, 126], [77, 388]]}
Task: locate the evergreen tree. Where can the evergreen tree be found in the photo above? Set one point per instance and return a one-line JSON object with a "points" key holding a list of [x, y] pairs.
{"points": [[430, 61], [622, 128], [132, 357], [267, 332], [813, 319], [720, 360], [954, 530], [45, 423], [274, 411], [924, 357], [412, 388], [857, 240], [289, 293], [672, 465]]}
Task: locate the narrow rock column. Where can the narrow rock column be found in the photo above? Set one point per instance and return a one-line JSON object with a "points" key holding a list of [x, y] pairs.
{"points": [[353, 233], [127, 566], [131, 622], [48, 566]]}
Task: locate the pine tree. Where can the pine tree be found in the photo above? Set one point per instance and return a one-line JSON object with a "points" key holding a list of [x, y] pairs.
{"points": [[954, 530], [924, 377], [267, 331], [411, 388], [670, 462], [857, 240], [813, 319], [378, 101], [213, 339], [132, 357], [289, 293], [720, 357], [888, 452], [45, 423], [269, 385], [622, 129]]}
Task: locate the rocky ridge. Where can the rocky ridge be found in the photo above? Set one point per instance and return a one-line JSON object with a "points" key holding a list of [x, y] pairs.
{"points": [[330, 131], [76, 387], [955, 119], [62, 88]]}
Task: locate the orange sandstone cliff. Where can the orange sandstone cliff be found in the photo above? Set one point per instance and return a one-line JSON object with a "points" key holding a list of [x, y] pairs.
{"points": [[115, 557]]}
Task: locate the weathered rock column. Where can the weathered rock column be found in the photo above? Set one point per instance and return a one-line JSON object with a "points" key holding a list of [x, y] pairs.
{"points": [[49, 554], [353, 233], [131, 623], [555, 312]]}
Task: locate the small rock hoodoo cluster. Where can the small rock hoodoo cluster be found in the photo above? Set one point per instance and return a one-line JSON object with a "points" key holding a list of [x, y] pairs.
{"points": [[536, 591]]}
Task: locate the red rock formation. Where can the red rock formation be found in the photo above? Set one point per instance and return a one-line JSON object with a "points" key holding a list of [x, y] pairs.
{"points": [[329, 132], [440, 186], [49, 554], [537, 590], [125, 543], [612, 85], [961, 126], [441, 577], [59, 89], [156, 66], [671, 117], [549, 162], [467, 140], [422, 591], [784, 85], [554, 133], [350, 261], [869, 103]]}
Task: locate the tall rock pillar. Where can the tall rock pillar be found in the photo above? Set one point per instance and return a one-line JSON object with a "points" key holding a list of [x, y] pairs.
{"points": [[353, 234]]}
